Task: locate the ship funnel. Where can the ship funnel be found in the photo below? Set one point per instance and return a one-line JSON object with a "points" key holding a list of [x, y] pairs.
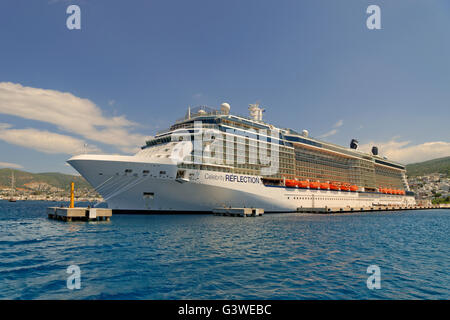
{"points": [[375, 150], [354, 144], [225, 108]]}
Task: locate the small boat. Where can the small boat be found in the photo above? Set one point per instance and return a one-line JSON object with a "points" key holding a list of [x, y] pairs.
{"points": [[314, 185], [12, 200], [303, 184], [325, 186], [354, 188], [345, 187], [335, 186], [290, 183]]}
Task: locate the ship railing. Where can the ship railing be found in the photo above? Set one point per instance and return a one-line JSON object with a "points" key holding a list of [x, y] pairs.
{"points": [[200, 114], [190, 126]]}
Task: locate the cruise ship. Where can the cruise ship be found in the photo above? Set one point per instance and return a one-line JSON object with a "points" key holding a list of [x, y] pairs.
{"points": [[213, 159]]}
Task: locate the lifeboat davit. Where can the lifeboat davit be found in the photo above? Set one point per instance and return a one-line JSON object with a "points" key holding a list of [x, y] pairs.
{"points": [[334, 186], [314, 185], [290, 183], [324, 186], [302, 184], [354, 188]]}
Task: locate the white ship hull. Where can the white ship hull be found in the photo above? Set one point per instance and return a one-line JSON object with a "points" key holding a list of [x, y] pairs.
{"points": [[134, 184]]}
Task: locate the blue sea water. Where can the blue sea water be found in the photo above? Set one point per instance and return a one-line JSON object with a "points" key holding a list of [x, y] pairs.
{"points": [[284, 256]]}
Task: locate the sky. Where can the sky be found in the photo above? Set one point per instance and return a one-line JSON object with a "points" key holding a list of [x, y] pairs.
{"points": [[135, 66]]}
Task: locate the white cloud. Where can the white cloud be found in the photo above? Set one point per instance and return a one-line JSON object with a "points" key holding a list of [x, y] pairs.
{"points": [[328, 134], [10, 165], [338, 124], [69, 113], [44, 141], [332, 132], [404, 152]]}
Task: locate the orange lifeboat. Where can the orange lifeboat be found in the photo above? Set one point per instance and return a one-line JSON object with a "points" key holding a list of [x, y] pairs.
{"points": [[402, 192], [345, 187], [324, 186], [396, 191], [384, 190], [314, 185], [389, 191], [354, 188], [380, 190], [334, 186], [302, 184], [290, 183]]}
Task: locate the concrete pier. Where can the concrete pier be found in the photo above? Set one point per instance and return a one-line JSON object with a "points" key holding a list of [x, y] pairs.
{"points": [[79, 213], [239, 212], [325, 210]]}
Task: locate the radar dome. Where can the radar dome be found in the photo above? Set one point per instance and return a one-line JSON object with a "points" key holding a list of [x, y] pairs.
{"points": [[305, 133], [225, 108]]}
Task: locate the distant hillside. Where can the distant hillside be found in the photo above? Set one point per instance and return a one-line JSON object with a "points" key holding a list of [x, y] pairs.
{"points": [[440, 165], [27, 180]]}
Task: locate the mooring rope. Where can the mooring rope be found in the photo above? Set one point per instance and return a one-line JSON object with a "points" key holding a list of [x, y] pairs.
{"points": [[125, 188]]}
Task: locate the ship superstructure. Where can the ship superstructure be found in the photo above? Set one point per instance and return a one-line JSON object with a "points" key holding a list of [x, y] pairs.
{"points": [[211, 158]]}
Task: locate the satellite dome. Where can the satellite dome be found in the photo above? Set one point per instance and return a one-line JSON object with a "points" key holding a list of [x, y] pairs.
{"points": [[225, 108]]}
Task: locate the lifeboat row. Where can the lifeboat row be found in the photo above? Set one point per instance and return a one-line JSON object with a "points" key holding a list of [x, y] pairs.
{"points": [[319, 185], [391, 191]]}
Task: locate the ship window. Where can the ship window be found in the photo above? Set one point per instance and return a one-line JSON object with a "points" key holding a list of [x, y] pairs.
{"points": [[145, 172], [162, 172], [128, 170], [148, 195], [181, 174]]}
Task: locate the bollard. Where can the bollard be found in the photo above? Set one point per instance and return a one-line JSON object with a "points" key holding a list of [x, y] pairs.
{"points": [[72, 187]]}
